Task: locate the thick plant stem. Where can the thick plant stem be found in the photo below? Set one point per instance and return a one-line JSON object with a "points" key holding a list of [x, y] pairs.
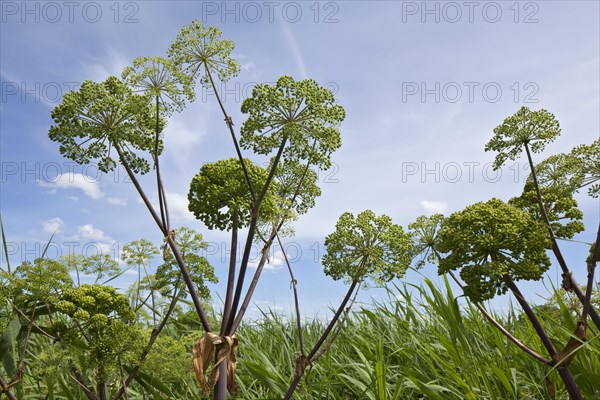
{"points": [[242, 274], [6, 390], [249, 293], [564, 372], [231, 274], [501, 328], [317, 346], [541, 332], [180, 262], [220, 391], [102, 390], [244, 306], [250, 238], [559, 257]]}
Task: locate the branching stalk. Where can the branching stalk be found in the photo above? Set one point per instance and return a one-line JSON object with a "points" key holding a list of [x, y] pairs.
{"points": [[322, 339], [155, 332], [501, 328], [180, 262], [244, 306], [564, 372], [294, 283], [229, 123], [561, 261], [338, 329], [250, 239], [6, 390]]}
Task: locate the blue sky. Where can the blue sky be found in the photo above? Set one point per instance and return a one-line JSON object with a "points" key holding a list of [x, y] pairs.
{"points": [[423, 84]]}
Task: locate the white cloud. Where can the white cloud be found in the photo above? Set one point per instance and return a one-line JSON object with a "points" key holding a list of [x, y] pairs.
{"points": [[274, 262], [102, 63], [53, 225], [178, 207], [183, 135], [132, 272], [434, 207], [247, 66], [293, 46], [71, 180], [89, 232], [95, 241], [117, 201]]}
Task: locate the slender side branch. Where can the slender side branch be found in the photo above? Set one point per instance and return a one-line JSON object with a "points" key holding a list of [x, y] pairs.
{"points": [[591, 267], [563, 371], [333, 321], [140, 190], [296, 302], [229, 123], [186, 275], [157, 167], [250, 239], [320, 342], [189, 283], [338, 329], [502, 329], [78, 377], [155, 332], [6, 390]]}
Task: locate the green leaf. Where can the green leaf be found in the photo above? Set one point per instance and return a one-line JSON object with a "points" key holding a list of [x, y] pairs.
{"points": [[8, 346]]}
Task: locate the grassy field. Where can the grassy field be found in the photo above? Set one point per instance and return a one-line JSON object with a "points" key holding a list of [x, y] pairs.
{"points": [[420, 344]]}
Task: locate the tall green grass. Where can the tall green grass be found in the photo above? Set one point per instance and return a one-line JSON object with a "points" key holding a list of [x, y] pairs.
{"points": [[418, 344]]}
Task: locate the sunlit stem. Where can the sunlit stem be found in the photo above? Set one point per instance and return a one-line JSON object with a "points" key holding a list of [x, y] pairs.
{"points": [[561, 261]]}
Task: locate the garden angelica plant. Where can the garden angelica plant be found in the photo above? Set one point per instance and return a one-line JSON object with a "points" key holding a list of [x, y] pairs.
{"points": [[293, 123], [493, 244]]}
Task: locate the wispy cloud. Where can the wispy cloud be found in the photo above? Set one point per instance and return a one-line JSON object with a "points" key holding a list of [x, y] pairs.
{"points": [[71, 180], [295, 49], [53, 225], [274, 262], [88, 231], [434, 207]]}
